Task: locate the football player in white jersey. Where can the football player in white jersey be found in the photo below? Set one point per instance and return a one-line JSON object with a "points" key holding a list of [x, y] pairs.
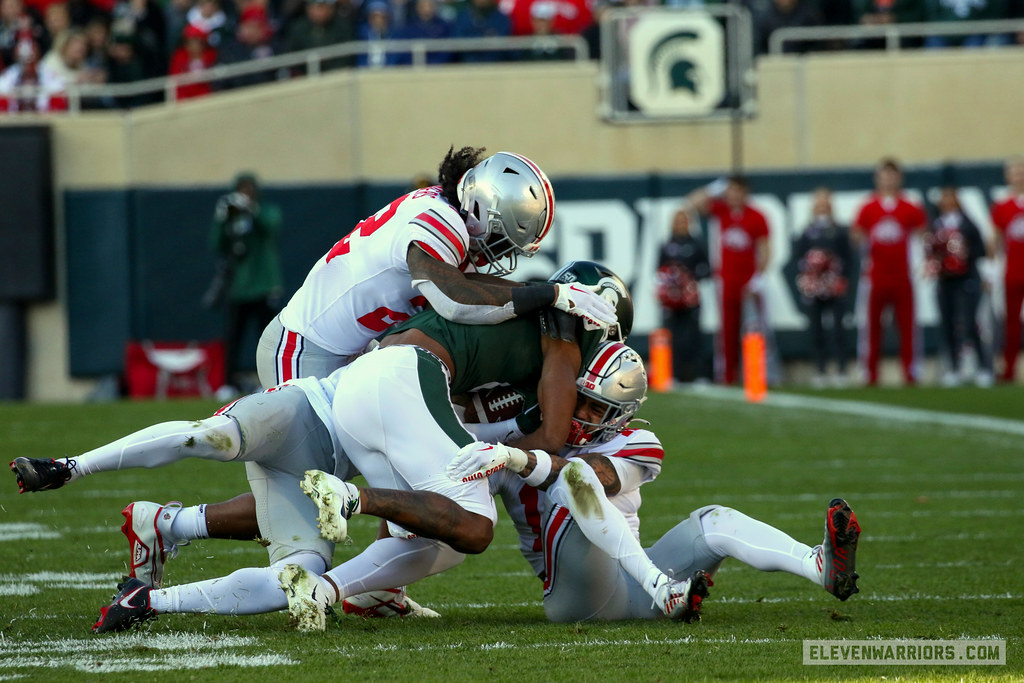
{"points": [[587, 549], [441, 245]]}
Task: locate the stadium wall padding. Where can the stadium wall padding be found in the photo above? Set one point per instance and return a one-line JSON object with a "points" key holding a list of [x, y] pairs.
{"points": [[138, 261]]}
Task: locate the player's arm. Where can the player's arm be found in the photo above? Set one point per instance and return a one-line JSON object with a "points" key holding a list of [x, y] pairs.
{"points": [[700, 199], [762, 254], [489, 301], [556, 394], [601, 465]]}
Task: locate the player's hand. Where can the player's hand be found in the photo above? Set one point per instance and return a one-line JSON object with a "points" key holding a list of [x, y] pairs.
{"points": [[479, 460], [584, 301]]}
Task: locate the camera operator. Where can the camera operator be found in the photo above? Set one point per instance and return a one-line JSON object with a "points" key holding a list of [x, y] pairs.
{"points": [[248, 277]]}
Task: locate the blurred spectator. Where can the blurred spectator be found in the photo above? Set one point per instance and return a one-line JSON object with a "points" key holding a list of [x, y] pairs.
{"points": [[251, 41], [953, 246], [882, 229], [425, 23], [17, 25], [824, 259], [97, 35], [64, 64], [881, 12], [784, 14], [175, 20], [144, 20], [592, 33], [972, 10], [682, 263], [23, 72], [124, 65], [743, 252], [1008, 217], [483, 19], [375, 29], [248, 281], [543, 48], [208, 17], [571, 16], [56, 20], [193, 56], [321, 26]]}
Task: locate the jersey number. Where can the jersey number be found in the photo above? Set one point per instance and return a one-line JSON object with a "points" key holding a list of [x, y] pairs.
{"points": [[383, 318], [365, 229]]}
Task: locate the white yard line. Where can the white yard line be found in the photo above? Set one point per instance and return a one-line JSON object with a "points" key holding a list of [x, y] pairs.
{"points": [[876, 411]]}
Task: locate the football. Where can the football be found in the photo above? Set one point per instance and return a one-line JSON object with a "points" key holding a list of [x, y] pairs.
{"points": [[494, 404]]}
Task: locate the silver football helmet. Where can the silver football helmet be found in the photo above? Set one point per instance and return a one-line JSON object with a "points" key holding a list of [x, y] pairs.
{"points": [[508, 205], [616, 378]]}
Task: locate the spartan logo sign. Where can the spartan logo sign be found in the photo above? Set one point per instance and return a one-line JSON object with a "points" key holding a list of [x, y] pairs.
{"points": [[677, 64]]}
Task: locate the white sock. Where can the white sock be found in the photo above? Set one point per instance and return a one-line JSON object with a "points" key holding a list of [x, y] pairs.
{"points": [[252, 590], [733, 534], [215, 438], [390, 562], [178, 526], [579, 489]]}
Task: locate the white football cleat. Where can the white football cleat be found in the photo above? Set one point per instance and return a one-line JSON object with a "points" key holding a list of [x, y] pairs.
{"points": [[392, 602], [308, 600], [147, 548], [680, 600], [336, 501]]}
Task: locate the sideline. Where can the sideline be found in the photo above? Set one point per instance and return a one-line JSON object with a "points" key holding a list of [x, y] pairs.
{"points": [[876, 411]]}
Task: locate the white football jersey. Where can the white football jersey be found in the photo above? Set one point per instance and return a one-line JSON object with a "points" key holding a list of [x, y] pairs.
{"points": [[636, 455], [362, 285]]}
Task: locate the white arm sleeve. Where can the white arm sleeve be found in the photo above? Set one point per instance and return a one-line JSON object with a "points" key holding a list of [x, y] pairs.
{"points": [[457, 312], [497, 432]]}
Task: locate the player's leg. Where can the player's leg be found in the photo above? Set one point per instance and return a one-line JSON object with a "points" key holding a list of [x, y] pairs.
{"points": [[213, 438], [876, 303], [282, 355], [910, 342], [732, 309], [972, 293], [286, 440], [713, 533], [579, 491], [1014, 300]]}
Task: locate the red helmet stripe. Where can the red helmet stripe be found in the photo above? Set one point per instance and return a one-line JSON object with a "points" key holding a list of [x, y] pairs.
{"points": [[597, 367], [549, 193]]}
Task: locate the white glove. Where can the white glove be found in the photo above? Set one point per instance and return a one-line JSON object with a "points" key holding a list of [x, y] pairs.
{"points": [[479, 460], [585, 302]]}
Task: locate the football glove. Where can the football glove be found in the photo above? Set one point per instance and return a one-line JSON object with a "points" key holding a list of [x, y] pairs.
{"points": [[479, 460], [585, 302]]}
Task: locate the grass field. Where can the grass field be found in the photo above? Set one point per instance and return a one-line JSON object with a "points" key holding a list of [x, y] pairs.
{"points": [[939, 499]]}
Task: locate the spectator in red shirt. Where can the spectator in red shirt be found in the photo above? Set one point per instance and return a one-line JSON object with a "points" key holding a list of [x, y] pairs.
{"points": [[1008, 217], [571, 16], [882, 229], [743, 251], [195, 54]]}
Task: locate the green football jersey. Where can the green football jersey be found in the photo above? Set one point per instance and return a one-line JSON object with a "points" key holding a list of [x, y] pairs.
{"points": [[509, 352]]}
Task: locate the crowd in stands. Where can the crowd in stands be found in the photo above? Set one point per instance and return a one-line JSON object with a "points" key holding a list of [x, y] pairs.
{"points": [[53, 43]]}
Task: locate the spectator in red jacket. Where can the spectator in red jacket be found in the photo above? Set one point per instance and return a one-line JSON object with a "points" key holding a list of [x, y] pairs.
{"points": [[882, 230], [743, 251], [1008, 217], [194, 55]]}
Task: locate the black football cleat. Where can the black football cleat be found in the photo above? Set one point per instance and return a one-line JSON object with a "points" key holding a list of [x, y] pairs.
{"points": [[40, 474], [129, 607], [839, 550]]}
